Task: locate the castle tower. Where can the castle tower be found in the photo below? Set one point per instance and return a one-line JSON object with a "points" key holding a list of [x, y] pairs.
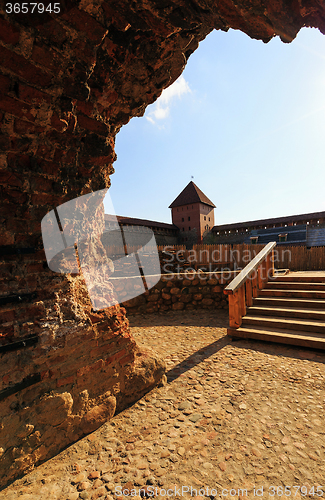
{"points": [[193, 210]]}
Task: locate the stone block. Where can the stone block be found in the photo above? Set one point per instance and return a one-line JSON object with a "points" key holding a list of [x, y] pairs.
{"points": [[178, 306], [54, 409], [207, 302], [153, 298], [98, 415], [135, 302], [185, 298]]}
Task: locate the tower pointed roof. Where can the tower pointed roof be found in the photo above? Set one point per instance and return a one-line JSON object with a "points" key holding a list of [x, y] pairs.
{"points": [[191, 194]]}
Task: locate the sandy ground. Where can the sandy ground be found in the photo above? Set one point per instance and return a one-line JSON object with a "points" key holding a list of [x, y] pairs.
{"points": [[236, 419]]}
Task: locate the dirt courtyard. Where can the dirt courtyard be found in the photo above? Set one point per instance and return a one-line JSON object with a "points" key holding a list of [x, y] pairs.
{"points": [[235, 419]]}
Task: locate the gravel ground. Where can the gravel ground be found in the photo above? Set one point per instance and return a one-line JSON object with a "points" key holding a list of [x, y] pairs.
{"points": [[236, 419]]}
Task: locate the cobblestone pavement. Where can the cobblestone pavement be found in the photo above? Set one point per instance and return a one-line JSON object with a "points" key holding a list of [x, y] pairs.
{"points": [[233, 417]]}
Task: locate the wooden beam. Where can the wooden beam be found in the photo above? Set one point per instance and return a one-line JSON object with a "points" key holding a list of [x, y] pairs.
{"points": [[272, 264], [264, 272], [246, 272], [268, 263], [254, 285], [249, 292], [242, 301], [234, 311], [260, 278]]}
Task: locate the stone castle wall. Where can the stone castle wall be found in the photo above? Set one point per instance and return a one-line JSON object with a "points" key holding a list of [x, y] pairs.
{"points": [[68, 82], [183, 292]]}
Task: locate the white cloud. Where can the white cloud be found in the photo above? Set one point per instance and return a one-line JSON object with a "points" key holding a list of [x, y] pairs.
{"points": [[161, 107], [161, 113]]}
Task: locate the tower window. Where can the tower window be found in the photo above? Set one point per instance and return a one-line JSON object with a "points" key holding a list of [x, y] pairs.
{"points": [[189, 228], [209, 219], [182, 219], [205, 218], [183, 229], [189, 218]]}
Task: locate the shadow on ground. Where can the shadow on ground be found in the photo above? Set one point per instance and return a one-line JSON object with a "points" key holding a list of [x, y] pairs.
{"points": [[196, 358], [281, 350], [215, 319], [218, 318]]}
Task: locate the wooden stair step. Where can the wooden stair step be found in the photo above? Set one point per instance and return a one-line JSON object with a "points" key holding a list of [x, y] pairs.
{"points": [[292, 293], [290, 312], [289, 302], [314, 326], [275, 285], [305, 339], [299, 279]]}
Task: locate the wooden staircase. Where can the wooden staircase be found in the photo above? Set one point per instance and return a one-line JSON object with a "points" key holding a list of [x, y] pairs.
{"points": [[265, 305], [289, 309]]}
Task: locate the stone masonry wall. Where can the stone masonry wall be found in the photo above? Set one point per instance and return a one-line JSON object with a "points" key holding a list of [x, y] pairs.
{"points": [[69, 80], [183, 292], [68, 377]]}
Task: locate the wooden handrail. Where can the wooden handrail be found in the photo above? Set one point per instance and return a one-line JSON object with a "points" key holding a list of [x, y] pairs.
{"points": [[245, 286], [244, 274]]}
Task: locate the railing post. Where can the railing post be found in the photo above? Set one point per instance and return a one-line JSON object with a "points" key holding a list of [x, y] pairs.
{"points": [[249, 293], [267, 267], [271, 271], [242, 301], [254, 284], [262, 275], [234, 310], [265, 271], [259, 277]]}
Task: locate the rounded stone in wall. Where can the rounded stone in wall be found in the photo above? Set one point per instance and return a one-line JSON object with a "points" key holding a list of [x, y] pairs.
{"points": [[136, 301], [185, 298], [178, 306], [153, 298], [207, 302]]}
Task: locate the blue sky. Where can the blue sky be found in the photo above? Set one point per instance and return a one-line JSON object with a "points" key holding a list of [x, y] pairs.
{"points": [[245, 119]]}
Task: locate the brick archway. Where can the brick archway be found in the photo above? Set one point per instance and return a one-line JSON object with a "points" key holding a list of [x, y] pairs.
{"points": [[68, 82]]}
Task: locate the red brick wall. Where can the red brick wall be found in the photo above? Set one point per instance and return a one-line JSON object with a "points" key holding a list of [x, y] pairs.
{"points": [[68, 82], [206, 213], [196, 212], [59, 112]]}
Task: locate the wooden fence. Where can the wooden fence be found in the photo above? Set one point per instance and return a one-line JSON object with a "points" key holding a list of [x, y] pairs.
{"points": [[295, 258]]}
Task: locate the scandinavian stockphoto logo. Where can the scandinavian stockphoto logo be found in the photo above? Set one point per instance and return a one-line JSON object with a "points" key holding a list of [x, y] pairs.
{"points": [[117, 263]]}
